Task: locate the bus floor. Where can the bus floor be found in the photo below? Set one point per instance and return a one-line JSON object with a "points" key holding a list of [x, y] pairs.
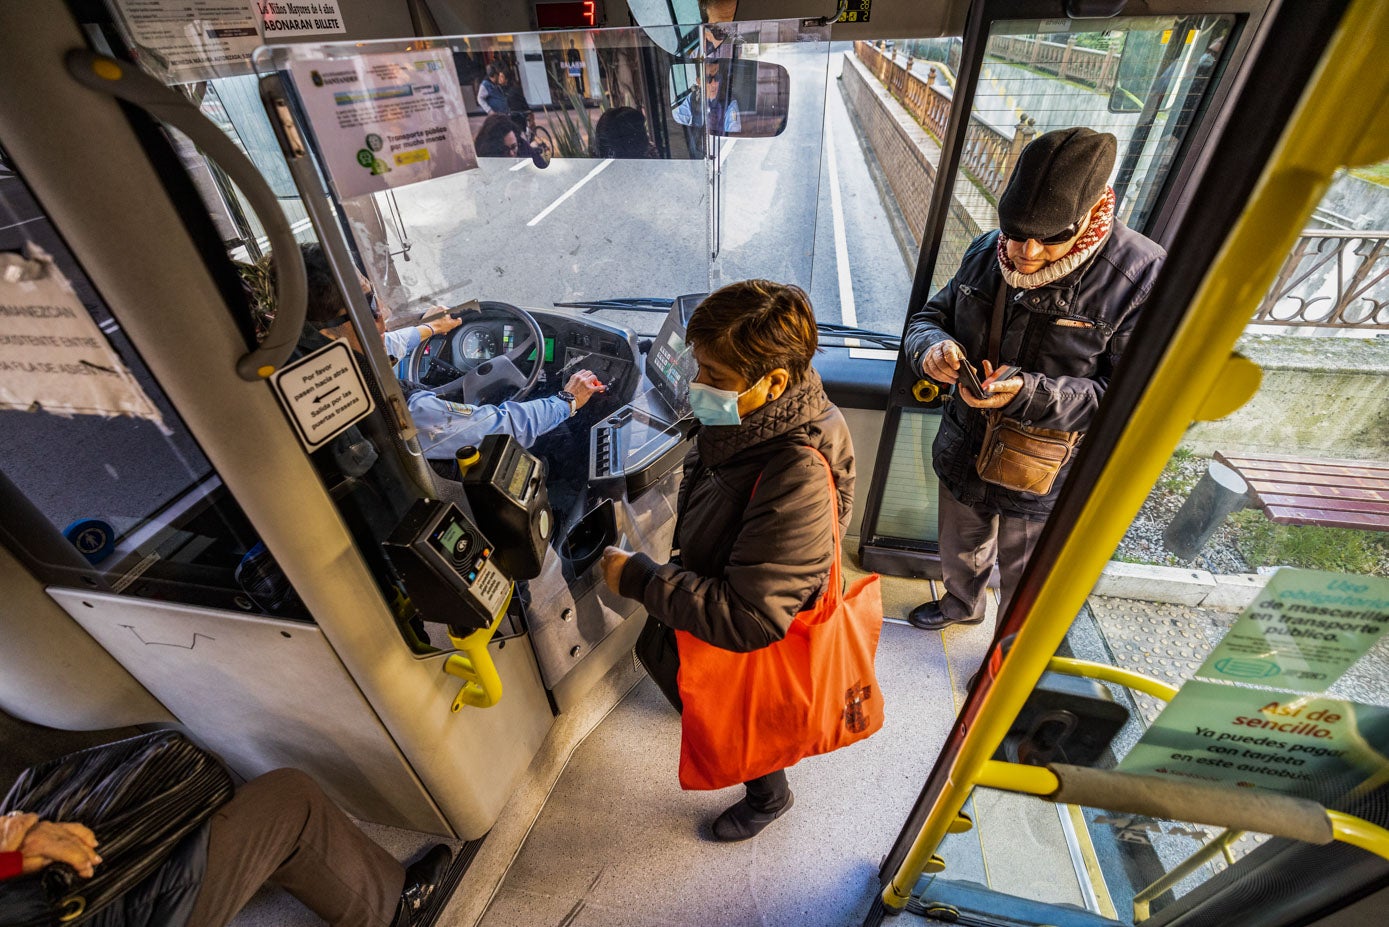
{"points": [[619, 844]]}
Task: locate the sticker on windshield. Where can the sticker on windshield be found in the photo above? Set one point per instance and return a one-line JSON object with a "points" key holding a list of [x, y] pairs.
{"points": [[1286, 742], [386, 120], [1303, 631]]}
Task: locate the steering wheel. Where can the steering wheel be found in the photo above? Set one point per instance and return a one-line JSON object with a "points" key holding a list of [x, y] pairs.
{"points": [[501, 369]]}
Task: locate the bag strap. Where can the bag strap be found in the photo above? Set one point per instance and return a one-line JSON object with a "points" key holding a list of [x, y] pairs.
{"points": [[996, 323], [835, 581]]}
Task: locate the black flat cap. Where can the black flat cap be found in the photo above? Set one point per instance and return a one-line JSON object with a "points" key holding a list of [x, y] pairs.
{"points": [[1059, 176]]}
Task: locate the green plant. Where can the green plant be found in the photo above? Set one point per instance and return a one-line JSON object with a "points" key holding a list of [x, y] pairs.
{"points": [[569, 123], [1338, 550], [1177, 477]]}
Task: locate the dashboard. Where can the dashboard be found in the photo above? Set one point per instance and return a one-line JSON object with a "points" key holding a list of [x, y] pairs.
{"points": [[570, 344]]}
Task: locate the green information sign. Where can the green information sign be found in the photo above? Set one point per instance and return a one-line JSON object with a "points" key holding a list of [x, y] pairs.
{"points": [[1286, 742], [1303, 631]]}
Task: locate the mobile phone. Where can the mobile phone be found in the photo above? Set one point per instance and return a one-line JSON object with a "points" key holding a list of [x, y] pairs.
{"points": [[969, 379]]}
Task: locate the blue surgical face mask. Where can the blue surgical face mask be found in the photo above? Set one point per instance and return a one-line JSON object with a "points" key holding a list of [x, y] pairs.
{"points": [[714, 406]]}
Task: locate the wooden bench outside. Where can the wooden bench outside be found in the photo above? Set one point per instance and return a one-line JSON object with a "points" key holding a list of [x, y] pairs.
{"points": [[1306, 491]]}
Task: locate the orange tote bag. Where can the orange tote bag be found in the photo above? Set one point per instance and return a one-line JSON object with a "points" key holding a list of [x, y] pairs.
{"points": [[813, 691]]}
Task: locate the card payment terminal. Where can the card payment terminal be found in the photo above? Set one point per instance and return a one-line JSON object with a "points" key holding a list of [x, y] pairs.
{"points": [[448, 566]]}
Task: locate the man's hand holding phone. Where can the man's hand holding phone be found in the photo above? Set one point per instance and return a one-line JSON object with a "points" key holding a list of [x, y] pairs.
{"points": [[995, 391]]}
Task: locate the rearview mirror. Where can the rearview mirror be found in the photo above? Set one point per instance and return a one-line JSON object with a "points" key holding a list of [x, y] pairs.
{"points": [[737, 98]]}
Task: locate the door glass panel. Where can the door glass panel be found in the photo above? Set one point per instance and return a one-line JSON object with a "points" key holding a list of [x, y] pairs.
{"points": [[1034, 81], [121, 504]]}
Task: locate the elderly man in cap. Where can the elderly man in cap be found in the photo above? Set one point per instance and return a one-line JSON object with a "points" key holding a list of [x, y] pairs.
{"points": [[1055, 292]]}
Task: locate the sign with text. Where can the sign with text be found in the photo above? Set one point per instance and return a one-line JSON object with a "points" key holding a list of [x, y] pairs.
{"points": [[299, 17], [1301, 745], [1303, 631], [193, 40], [324, 393], [386, 120], [53, 356]]}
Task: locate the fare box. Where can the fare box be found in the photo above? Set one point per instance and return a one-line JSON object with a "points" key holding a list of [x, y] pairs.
{"points": [[324, 394]]}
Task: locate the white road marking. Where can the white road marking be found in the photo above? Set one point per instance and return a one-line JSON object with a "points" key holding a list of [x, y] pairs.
{"points": [[570, 192], [848, 313]]}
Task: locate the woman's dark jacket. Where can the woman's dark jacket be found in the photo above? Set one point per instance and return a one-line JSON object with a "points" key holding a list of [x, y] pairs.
{"points": [[1066, 336], [745, 563]]}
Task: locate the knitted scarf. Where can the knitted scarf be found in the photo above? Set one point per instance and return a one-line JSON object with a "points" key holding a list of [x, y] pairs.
{"points": [[1086, 246]]}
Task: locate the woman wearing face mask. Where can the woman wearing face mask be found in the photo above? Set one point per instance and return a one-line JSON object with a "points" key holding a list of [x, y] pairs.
{"points": [[755, 530]]}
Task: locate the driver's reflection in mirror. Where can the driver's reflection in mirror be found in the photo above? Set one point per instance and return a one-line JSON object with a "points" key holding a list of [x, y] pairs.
{"points": [[444, 426], [712, 100]]}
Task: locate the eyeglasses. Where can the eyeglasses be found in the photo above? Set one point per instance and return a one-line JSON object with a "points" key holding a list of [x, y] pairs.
{"points": [[513, 148], [1065, 235]]}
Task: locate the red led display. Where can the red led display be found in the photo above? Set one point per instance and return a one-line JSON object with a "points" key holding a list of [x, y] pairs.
{"points": [[580, 15]]}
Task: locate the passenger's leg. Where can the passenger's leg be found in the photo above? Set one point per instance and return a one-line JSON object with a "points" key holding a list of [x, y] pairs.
{"points": [[281, 828], [968, 547], [1017, 538], [768, 798]]}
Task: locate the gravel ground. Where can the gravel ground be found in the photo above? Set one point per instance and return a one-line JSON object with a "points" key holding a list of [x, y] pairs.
{"points": [[1143, 542]]}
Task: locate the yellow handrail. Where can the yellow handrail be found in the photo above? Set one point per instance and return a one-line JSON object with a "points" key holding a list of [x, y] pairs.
{"points": [[1359, 833], [1136, 681], [482, 686]]}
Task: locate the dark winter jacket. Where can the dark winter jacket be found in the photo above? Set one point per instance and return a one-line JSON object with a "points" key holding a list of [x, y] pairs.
{"points": [[745, 563], [1066, 336]]}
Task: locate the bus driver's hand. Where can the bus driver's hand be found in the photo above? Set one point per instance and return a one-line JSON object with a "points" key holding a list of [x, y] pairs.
{"points": [[942, 362], [614, 559], [584, 384]]}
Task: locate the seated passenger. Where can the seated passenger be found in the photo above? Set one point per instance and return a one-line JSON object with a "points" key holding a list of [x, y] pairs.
{"points": [[278, 828], [444, 426], [713, 98]]}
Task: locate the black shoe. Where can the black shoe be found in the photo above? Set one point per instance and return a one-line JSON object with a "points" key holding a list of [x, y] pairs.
{"points": [[422, 878], [741, 822], [928, 617]]}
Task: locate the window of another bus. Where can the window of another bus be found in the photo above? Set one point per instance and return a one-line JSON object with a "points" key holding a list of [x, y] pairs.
{"points": [[118, 503]]}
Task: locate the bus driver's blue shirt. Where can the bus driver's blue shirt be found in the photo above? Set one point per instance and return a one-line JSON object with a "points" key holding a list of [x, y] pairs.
{"points": [[446, 426]]}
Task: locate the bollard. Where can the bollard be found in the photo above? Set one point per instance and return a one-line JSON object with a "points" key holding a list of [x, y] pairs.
{"points": [[1220, 491]]}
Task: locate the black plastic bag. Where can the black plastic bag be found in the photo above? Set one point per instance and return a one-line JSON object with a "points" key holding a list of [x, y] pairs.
{"points": [[657, 652], [141, 796]]}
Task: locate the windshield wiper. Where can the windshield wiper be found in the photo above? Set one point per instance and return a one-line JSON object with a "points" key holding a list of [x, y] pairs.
{"points": [[632, 304], [882, 340]]}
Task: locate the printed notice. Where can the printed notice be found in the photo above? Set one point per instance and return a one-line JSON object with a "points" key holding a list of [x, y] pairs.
{"points": [[193, 40], [297, 17], [1287, 742], [1303, 631], [53, 357], [386, 120], [324, 393]]}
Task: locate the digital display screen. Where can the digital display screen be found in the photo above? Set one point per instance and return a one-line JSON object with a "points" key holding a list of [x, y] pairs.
{"points": [[580, 15], [450, 537], [645, 437], [520, 477], [549, 351]]}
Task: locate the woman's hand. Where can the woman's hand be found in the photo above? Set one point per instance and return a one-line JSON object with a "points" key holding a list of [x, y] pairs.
{"points": [[13, 828], [614, 559], [44, 842]]}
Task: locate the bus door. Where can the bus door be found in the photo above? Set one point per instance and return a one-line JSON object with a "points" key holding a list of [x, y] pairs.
{"points": [[1102, 682]]}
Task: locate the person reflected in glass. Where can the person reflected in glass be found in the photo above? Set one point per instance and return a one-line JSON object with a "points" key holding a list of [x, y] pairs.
{"points": [[497, 138], [621, 133], [755, 535], [492, 93], [711, 103]]}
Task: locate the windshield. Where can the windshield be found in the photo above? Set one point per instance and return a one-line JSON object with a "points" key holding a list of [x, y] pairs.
{"points": [[571, 166]]}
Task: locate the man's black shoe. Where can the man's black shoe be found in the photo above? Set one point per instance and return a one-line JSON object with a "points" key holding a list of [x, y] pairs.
{"points": [[928, 617], [741, 822], [422, 878]]}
